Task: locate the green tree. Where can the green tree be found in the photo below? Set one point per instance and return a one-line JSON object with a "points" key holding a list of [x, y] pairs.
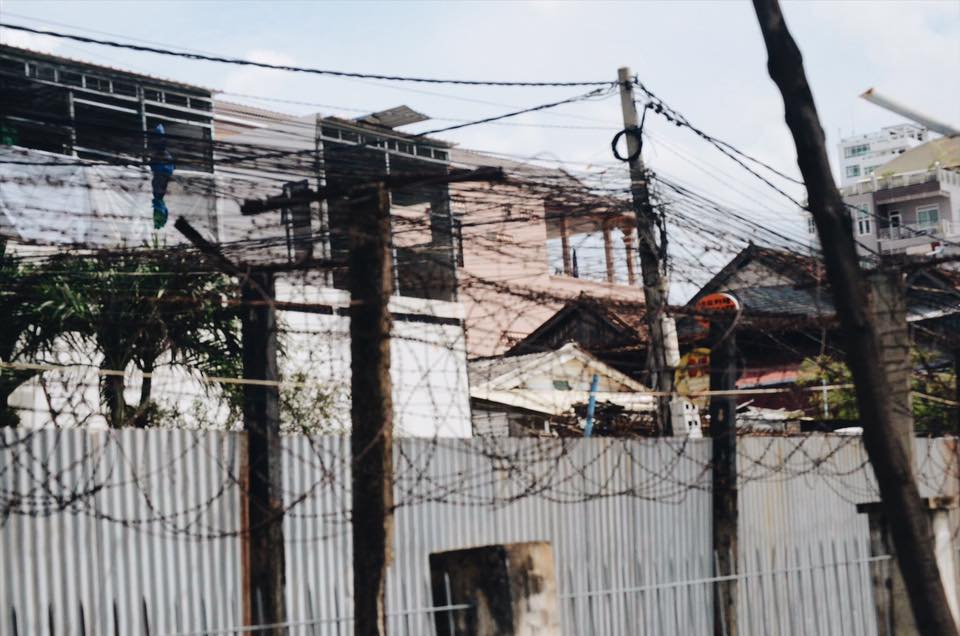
{"points": [[135, 307], [837, 400], [308, 406], [30, 325], [931, 386]]}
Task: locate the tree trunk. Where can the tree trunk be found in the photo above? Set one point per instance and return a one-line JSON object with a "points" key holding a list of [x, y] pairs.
{"points": [[912, 533], [146, 387], [142, 417], [113, 387]]}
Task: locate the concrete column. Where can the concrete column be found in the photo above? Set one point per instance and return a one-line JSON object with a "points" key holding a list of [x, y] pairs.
{"points": [[628, 244], [511, 590], [888, 296], [565, 247], [894, 615], [608, 252]]}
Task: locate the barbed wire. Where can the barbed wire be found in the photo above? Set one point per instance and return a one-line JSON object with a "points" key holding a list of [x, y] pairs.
{"points": [[74, 214]]}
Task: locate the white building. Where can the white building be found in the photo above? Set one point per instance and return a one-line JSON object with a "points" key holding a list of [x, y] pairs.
{"points": [[58, 192], [861, 155], [912, 204]]}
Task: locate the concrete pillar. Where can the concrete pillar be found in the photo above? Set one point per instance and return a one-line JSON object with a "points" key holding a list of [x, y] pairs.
{"points": [[628, 245], [565, 247], [608, 252], [894, 615], [511, 590], [888, 295]]}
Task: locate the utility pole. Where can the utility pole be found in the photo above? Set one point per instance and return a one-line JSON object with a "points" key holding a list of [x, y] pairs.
{"points": [[654, 280], [723, 432], [262, 551], [892, 465], [370, 273], [261, 420], [371, 440]]}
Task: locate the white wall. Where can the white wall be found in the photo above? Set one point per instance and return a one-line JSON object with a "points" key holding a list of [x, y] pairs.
{"points": [[428, 370], [428, 359]]}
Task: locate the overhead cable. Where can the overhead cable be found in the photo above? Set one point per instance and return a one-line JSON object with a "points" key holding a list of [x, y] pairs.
{"points": [[294, 69]]}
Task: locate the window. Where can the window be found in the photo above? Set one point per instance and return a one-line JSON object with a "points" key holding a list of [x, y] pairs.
{"points": [[928, 216], [853, 171], [41, 71], [562, 385], [176, 99], [889, 223], [811, 225], [869, 169], [71, 78], [98, 84], [124, 88], [856, 151], [863, 219]]}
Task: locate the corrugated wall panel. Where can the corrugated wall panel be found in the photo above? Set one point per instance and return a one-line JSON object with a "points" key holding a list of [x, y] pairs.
{"points": [[798, 500], [595, 500], [121, 528], [149, 519]]}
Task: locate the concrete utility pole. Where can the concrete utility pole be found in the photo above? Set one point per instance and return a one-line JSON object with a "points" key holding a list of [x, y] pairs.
{"points": [[264, 550], [912, 534], [654, 280], [371, 407]]}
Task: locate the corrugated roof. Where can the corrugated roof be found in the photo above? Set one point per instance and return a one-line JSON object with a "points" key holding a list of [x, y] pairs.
{"points": [[785, 300], [485, 369]]}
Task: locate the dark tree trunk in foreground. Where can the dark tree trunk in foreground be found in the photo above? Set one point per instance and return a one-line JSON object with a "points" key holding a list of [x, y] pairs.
{"points": [[892, 465], [113, 389]]}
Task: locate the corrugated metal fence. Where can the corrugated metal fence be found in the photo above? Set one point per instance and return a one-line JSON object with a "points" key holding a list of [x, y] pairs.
{"points": [[127, 532]]}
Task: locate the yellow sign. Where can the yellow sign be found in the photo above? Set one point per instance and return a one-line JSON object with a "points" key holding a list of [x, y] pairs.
{"points": [[693, 375]]}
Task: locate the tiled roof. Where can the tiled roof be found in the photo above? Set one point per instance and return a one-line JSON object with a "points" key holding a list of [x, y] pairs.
{"points": [[785, 300]]}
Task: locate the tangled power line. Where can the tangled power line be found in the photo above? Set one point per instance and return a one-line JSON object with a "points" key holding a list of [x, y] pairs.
{"points": [[492, 219]]}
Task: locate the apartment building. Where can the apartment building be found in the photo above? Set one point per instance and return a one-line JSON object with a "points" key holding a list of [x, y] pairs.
{"points": [[910, 204], [529, 246], [74, 166], [861, 155]]}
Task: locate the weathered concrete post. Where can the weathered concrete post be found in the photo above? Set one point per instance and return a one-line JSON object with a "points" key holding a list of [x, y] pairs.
{"points": [[510, 590], [894, 615]]}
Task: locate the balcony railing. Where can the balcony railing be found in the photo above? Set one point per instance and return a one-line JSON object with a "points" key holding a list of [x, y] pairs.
{"points": [[941, 229], [877, 183]]}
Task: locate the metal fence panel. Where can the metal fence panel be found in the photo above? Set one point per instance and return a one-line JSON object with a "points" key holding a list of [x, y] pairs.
{"points": [[122, 531], [134, 530], [577, 495]]}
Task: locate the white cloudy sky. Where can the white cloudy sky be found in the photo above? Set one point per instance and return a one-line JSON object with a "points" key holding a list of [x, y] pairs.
{"points": [[704, 58]]}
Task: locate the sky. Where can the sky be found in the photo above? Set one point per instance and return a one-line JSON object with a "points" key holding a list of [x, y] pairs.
{"points": [[705, 59]]}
